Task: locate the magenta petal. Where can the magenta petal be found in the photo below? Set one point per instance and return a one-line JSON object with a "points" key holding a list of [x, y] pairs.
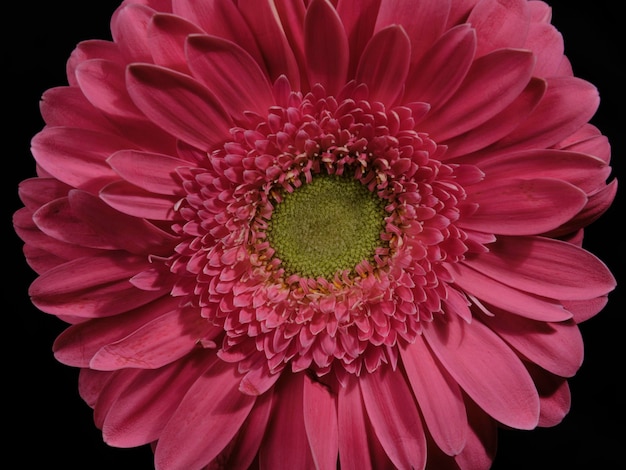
{"points": [[136, 202], [320, 422], [68, 107], [230, 73], [208, 417], [395, 418], [358, 18], [326, 47], [91, 49], [382, 72], [545, 267], [500, 23], [486, 368], [167, 35], [286, 443], [523, 206], [354, 453], [129, 26], [179, 105], [438, 395]]}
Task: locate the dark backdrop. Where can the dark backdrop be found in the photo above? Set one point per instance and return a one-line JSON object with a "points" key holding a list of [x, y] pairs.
{"points": [[48, 424]]}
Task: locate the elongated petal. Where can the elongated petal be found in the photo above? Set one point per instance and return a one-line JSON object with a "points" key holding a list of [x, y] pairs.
{"points": [[230, 73], [178, 104], [129, 26], [359, 19], [545, 267], [500, 23], [68, 107], [208, 417], [522, 207], [487, 369], [438, 396], [320, 422], [496, 293], [91, 49], [382, 72], [167, 36], [395, 418], [134, 201], [351, 421], [326, 47]]}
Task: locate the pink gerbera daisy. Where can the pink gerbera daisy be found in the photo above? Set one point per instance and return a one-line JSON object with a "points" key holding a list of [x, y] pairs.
{"points": [[319, 234]]}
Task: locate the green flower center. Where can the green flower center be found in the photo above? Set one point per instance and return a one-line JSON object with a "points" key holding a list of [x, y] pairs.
{"points": [[329, 225]]}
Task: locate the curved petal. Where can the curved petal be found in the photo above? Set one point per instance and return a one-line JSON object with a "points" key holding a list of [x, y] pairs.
{"points": [[91, 49], [129, 26], [486, 368], [354, 453], [382, 72], [547, 44], [395, 418], [499, 24], [68, 107], [326, 47], [545, 267], [167, 35], [179, 105], [208, 417], [320, 422], [230, 73], [134, 201], [35, 192], [358, 18], [522, 206], [438, 396]]}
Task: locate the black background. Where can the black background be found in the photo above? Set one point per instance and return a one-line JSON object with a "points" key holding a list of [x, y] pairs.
{"points": [[48, 425]]}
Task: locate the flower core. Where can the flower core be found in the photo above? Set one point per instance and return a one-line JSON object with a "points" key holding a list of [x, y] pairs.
{"points": [[326, 226]]}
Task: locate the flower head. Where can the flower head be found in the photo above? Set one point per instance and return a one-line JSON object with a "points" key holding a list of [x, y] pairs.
{"points": [[310, 234]]}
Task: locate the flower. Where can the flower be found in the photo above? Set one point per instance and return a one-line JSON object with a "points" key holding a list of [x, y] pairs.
{"points": [[297, 234]]}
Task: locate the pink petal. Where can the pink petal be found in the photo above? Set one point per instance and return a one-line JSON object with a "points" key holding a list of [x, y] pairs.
{"points": [[230, 73], [554, 394], [568, 104], [179, 105], [522, 206], [382, 72], [438, 396], [167, 36], [35, 192], [482, 440], [327, 53], [486, 368], [76, 345], [583, 310], [395, 418], [145, 403], [129, 26], [153, 172], [493, 82], [556, 347], [545, 267], [134, 201], [68, 107], [547, 44], [320, 422], [499, 24], [91, 287], [449, 60], [77, 157], [496, 293], [265, 24], [208, 417], [159, 342], [354, 453], [91, 49], [90, 383], [423, 21], [359, 18], [286, 443]]}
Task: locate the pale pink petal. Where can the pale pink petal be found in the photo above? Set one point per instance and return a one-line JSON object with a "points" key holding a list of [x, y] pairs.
{"points": [[145, 403], [522, 206], [320, 422], [76, 345], [77, 157], [423, 21], [208, 417], [382, 72], [499, 24], [137, 202], [486, 368], [153, 172], [493, 82], [496, 293], [167, 35], [91, 287], [438, 396], [158, 342], [545, 267], [395, 418], [448, 61], [556, 347], [286, 443], [179, 105], [265, 24], [327, 53], [230, 73]]}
